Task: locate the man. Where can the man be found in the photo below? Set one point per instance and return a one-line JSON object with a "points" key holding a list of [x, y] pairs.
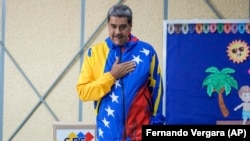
{"points": [[123, 77]]}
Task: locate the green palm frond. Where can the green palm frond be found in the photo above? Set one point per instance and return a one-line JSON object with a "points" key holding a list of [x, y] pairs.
{"points": [[227, 71], [210, 90], [219, 79], [212, 70]]}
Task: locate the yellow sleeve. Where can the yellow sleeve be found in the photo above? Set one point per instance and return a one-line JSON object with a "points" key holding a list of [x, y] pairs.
{"points": [[92, 83]]}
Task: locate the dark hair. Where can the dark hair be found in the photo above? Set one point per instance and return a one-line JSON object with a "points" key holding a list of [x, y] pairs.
{"points": [[120, 10]]}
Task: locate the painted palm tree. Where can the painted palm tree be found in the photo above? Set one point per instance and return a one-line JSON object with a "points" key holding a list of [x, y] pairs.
{"points": [[220, 82]]}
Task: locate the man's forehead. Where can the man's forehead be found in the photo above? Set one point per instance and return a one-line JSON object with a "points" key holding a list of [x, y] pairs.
{"points": [[118, 24], [121, 19]]}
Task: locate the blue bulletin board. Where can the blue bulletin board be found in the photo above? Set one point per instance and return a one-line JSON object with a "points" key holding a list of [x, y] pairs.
{"points": [[206, 71]]}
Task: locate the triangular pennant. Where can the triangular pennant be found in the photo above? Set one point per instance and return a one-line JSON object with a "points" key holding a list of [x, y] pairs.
{"points": [[177, 28], [184, 28], [205, 28], [234, 28], [220, 28], [227, 28], [212, 28], [198, 28], [191, 28], [248, 28], [171, 28], [241, 28]]}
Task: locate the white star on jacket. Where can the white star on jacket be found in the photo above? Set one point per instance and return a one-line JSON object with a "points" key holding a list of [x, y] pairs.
{"points": [[114, 97], [117, 83], [100, 132], [106, 123], [110, 111], [145, 51], [137, 59]]}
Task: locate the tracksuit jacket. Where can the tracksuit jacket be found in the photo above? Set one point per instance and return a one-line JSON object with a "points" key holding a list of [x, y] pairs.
{"points": [[124, 105]]}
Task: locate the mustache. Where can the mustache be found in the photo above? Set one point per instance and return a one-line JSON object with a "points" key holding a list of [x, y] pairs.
{"points": [[118, 36]]}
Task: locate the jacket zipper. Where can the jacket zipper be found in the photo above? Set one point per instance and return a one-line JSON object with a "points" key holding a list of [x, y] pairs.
{"points": [[123, 98]]}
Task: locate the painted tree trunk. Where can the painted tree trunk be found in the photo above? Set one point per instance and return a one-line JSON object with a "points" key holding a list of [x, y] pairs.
{"points": [[222, 105]]}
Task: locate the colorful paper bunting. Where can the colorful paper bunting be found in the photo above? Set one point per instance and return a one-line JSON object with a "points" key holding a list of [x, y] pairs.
{"points": [[198, 28], [220, 28], [206, 28], [227, 28], [191, 28], [212, 27], [241, 28], [177, 28], [247, 28], [234, 28], [170, 28], [184, 28]]}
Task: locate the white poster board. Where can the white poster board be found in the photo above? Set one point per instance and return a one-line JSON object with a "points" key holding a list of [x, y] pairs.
{"points": [[74, 132]]}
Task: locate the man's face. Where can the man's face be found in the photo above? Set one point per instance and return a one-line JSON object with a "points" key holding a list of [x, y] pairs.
{"points": [[119, 29]]}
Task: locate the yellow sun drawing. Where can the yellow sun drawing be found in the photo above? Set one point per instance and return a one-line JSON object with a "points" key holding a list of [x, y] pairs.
{"points": [[238, 51]]}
